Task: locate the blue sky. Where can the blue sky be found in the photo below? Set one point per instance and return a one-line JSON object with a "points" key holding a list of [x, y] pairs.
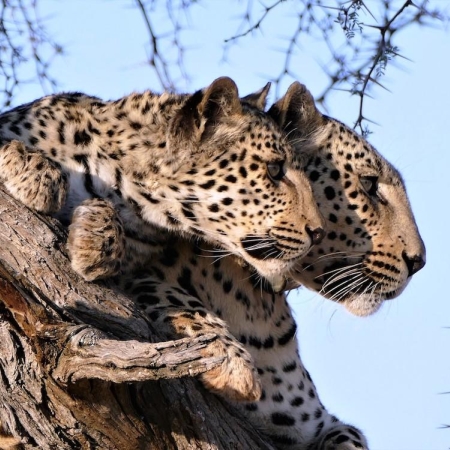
{"points": [[384, 373]]}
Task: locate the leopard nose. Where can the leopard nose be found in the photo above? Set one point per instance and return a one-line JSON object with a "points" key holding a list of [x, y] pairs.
{"points": [[316, 234], [413, 263]]}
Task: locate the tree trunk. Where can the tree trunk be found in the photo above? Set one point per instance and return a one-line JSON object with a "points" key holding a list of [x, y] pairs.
{"points": [[80, 367]]}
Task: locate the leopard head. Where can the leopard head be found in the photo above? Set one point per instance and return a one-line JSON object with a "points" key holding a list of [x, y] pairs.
{"points": [[228, 178], [372, 246]]}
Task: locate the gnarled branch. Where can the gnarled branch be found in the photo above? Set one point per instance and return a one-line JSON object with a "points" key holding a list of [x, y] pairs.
{"points": [[73, 354]]}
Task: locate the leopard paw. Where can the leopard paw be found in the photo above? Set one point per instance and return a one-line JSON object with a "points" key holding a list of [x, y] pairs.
{"points": [[344, 438], [33, 179], [178, 315], [96, 243], [236, 378]]}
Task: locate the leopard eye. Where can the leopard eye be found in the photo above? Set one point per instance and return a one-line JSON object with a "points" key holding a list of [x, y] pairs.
{"points": [[370, 185], [276, 171]]}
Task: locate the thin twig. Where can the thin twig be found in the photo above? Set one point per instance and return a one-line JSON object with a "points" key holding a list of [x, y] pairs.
{"points": [[354, 65]]}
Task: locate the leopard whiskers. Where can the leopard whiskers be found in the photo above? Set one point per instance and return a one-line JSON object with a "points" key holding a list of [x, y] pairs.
{"points": [[371, 286], [339, 255], [345, 286], [339, 270], [347, 277], [287, 135], [333, 256], [220, 254]]}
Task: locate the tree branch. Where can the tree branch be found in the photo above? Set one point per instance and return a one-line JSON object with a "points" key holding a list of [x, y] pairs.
{"points": [[354, 55], [89, 354], [73, 355]]}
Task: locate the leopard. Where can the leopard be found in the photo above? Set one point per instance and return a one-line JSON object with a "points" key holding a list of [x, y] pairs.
{"points": [[205, 165], [263, 376], [186, 294], [372, 246]]}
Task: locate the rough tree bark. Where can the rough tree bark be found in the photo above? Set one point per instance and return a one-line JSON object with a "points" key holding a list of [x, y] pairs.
{"points": [[80, 367]]}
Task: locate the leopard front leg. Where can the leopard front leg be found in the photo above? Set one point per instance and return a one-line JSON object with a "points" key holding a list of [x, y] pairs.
{"points": [[32, 178], [289, 411], [96, 243], [178, 314]]}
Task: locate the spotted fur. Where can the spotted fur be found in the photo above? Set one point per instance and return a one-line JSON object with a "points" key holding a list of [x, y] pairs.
{"points": [[206, 165], [186, 295], [372, 247]]}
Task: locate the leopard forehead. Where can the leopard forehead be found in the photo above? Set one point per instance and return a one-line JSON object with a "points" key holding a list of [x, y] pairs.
{"points": [[351, 153], [254, 132]]}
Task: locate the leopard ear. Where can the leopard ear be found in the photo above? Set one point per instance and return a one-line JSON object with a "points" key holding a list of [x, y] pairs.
{"points": [[203, 110], [296, 111], [220, 99], [258, 98]]}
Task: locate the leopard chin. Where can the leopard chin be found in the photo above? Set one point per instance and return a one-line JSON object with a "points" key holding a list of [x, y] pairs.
{"points": [[363, 305], [367, 303]]}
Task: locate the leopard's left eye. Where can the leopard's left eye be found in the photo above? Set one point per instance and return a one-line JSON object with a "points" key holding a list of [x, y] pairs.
{"points": [[276, 171], [370, 185]]}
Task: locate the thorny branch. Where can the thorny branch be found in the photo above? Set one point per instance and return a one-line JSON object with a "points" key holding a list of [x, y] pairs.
{"points": [[253, 26], [384, 51], [353, 43], [24, 41], [356, 53], [166, 50]]}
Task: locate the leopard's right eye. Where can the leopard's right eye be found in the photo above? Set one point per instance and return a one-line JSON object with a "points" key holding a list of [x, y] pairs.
{"points": [[370, 185], [276, 171]]}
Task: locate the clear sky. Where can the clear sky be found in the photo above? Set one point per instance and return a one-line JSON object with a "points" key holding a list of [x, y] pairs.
{"points": [[384, 373]]}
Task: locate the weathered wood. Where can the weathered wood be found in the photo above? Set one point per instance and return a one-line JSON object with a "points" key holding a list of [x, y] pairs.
{"points": [[76, 357], [89, 355]]}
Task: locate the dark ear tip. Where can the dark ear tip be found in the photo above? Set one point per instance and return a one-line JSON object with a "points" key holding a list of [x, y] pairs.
{"points": [[298, 88], [224, 83], [298, 94], [258, 98], [297, 109], [265, 90]]}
